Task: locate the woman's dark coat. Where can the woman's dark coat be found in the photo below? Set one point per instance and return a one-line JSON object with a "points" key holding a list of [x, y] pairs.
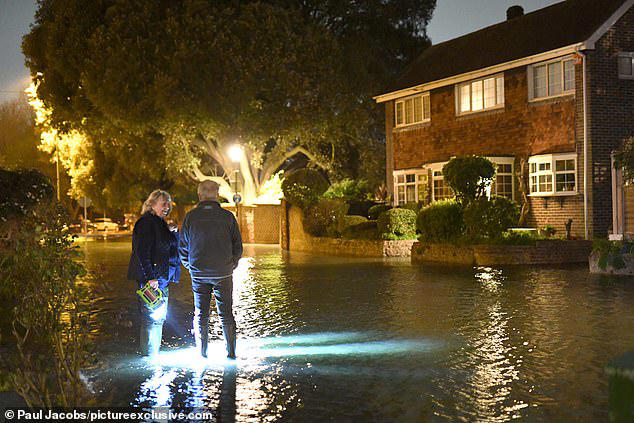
{"points": [[154, 251]]}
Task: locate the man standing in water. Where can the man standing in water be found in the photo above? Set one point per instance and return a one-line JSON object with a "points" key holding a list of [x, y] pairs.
{"points": [[210, 247]]}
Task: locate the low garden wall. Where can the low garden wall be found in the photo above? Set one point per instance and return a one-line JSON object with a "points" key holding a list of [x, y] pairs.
{"points": [[543, 252], [294, 238]]}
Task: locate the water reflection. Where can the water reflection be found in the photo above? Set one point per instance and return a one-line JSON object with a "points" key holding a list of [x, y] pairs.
{"points": [[329, 338]]}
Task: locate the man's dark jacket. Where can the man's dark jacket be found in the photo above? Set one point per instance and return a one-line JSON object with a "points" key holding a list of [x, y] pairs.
{"points": [[210, 243], [154, 251]]}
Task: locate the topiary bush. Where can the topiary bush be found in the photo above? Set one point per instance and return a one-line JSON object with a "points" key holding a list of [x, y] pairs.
{"points": [[397, 224], [441, 221], [320, 218], [468, 177], [304, 187], [413, 206], [375, 211], [486, 218]]}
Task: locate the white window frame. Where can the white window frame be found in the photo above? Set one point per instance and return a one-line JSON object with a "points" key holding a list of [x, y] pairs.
{"points": [[421, 177], [425, 105], [498, 87], [627, 55], [531, 81], [503, 161], [551, 159], [437, 168]]}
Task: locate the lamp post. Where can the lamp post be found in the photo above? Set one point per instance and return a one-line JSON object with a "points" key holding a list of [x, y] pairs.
{"points": [[235, 154]]}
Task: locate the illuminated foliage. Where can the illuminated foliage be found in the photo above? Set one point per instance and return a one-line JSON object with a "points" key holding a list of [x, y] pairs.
{"points": [[161, 89]]}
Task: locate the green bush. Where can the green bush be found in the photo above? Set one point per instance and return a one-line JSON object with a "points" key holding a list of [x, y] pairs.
{"points": [[413, 206], [363, 230], [486, 218], [44, 324], [611, 253], [441, 221], [397, 224], [303, 187], [320, 219], [349, 189], [347, 221], [22, 190], [468, 177], [375, 211]]}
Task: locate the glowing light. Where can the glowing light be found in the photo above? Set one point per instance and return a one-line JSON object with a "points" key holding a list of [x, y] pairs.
{"points": [[235, 153], [160, 312]]}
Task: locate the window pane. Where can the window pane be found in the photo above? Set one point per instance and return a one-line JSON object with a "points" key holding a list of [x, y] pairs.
{"points": [[409, 111], [410, 178], [625, 66], [563, 165], [533, 167], [504, 168], [401, 194], [476, 95], [539, 81], [533, 183], [569, 75], [565, 182], [399, 113], [554, 78], [418, 109], [500, 89], [400, 179], [465, 98], [545, 183], [489, 92], [504, 185], [426, 107], [544, 167], [411, 193], [422, 190]]}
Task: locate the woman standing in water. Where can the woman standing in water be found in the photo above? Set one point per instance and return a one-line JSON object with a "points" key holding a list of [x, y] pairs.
{"points": [[154, 259]]}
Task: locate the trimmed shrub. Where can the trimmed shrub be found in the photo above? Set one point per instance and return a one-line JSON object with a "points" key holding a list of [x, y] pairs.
{"points": [[375, 211], [321, 218], [486, 218], [349, 220], [303, 187], [397, 224], [363, 230], [468, 177], [441, 221], [413, 206]]}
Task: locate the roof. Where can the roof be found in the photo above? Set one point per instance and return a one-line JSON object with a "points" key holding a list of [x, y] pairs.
{"points": [[560, 25]]}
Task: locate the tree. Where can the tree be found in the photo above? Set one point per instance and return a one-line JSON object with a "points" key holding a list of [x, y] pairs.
{"points": [[176, 83]]}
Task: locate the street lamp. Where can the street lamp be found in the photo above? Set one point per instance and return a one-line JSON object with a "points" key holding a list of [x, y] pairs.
{"points": [[235, 154]]}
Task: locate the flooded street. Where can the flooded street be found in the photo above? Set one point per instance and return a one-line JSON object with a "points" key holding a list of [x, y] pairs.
{"points": [[351, 339]]}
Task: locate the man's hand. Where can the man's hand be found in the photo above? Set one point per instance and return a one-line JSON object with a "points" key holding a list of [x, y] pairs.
{"points": [[154, 283]]}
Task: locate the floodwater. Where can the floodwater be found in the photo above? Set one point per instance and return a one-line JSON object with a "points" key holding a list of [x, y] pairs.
{"points": [[348, 339]]}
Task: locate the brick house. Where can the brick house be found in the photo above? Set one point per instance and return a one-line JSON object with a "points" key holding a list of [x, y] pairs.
{"points": [[547, 96]]}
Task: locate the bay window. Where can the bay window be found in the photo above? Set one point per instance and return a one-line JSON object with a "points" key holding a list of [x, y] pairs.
{"points": [[410, 186], [553, 174]]}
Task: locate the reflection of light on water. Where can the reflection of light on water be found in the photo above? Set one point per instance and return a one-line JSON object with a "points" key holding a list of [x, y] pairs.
{"points": [[490, 278], [156, 389], [253, 350], [242, 273]]}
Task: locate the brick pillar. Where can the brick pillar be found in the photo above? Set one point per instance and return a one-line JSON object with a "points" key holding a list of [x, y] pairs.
{"points": [[284, 235]]}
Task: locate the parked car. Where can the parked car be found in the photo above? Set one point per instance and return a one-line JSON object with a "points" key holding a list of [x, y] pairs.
{"points": [[106, 224]]}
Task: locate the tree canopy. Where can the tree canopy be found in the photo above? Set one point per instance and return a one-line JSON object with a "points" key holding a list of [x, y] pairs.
{"points": [[159, 89]]}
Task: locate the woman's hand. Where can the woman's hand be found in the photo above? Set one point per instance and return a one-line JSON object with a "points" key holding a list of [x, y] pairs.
{"points": [[154, 283]]}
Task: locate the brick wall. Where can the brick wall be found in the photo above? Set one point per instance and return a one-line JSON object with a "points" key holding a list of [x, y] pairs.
{"points": [[611, 114]]}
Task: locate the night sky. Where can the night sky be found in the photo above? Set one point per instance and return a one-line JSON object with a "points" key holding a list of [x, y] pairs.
{"points": [[452, 18]]}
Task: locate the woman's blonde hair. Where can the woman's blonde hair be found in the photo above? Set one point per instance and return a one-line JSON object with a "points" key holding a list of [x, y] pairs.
{"points": [[153, 198]]}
